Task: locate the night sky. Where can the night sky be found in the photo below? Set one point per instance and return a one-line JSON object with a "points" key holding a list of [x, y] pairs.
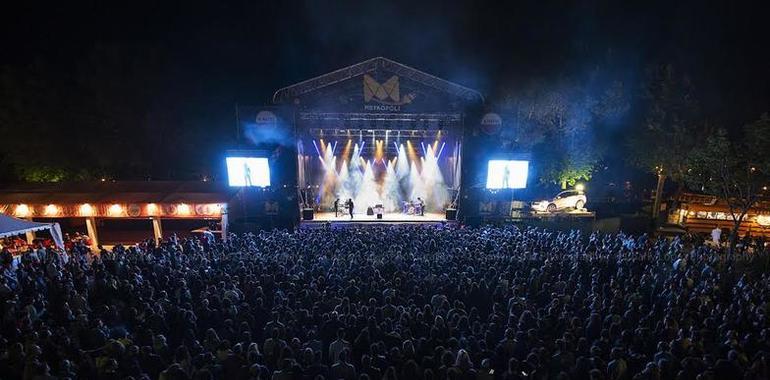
{"points": [[178, 68]]}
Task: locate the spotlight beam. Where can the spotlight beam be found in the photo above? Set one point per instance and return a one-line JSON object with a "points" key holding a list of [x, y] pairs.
{"points": [[440, 150], [316, 149]]}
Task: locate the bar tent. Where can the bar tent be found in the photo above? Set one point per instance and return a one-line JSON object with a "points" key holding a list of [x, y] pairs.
{"points": [[10, 226]]}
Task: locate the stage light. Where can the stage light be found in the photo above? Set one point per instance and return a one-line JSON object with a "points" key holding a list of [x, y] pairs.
{"points": [[438, 155], [22, 211], [86, 210], [379, 151], [183, 209], [580, 187], [763, 220], [411, 152], [152, 209], [51, 210], [115, 210]]}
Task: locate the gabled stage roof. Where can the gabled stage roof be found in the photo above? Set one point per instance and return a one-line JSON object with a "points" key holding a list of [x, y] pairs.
{"points": [[287, 94]]}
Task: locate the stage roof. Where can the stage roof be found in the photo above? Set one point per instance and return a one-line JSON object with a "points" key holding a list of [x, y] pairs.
{"points": [[287, 94]]}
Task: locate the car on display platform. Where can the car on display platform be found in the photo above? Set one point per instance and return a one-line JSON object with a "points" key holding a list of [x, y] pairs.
{"points": [[566, 200]]}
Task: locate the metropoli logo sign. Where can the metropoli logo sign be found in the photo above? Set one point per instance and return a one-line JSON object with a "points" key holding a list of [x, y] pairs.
{"points": [[387, 95]]}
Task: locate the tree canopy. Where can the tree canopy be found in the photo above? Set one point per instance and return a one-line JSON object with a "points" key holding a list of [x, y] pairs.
{"points": [[564, 125], [737, 169], [670, 127]]}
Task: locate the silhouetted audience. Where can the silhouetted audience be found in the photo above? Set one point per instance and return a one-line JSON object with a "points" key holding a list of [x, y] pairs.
{"points": [[397, 302]]}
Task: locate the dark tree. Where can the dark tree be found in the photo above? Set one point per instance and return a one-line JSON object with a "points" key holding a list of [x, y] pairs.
{"points": [[562, 124], [736, 171], [670, 129]]}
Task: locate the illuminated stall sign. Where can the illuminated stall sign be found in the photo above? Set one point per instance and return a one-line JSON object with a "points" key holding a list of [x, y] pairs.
{"points": [[115, 210]]}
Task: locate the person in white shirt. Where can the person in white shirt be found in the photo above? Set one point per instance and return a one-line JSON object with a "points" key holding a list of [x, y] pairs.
{"points": [[716, 235]]}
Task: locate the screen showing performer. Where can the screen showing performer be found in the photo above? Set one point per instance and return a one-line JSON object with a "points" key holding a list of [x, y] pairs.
{"points": [[248, 171], [507, 174]]}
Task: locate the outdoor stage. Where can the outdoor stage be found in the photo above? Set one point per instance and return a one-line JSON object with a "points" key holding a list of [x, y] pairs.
{"points": [[377, 133], [321, 218]]}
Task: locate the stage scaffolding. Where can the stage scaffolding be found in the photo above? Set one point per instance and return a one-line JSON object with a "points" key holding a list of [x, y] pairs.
{"points": [[363, 106]]}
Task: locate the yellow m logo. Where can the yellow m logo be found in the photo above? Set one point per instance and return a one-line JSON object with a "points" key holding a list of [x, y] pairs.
{"points": [[389, 89]]}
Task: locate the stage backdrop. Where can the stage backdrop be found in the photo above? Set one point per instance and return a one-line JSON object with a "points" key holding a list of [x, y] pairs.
{"points": [[379, 132]]}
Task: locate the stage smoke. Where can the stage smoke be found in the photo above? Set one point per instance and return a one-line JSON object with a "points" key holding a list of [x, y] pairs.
{"points": [[391, 191], [433, 180], [368, 194], [402, 164], [374, 179], [329, 184], [417, 187]]}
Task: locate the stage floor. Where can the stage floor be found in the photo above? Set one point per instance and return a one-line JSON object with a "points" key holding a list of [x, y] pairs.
{"points": [[323, 217]]}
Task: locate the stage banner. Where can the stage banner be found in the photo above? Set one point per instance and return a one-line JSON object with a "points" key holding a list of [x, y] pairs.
{"points": [[265, 126], [491, 123]]}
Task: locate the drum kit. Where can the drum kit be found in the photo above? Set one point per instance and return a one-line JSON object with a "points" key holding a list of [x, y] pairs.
{"points": [[412, 208]]}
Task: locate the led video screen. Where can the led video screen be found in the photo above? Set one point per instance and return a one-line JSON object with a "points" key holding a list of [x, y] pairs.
{"points": [[248, 171], [507, 174]]}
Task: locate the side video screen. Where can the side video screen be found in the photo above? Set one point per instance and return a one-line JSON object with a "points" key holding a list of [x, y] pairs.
{"points": [[507, 174]]}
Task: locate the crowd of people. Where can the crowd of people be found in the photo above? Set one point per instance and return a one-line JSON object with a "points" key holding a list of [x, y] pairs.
{"points": [[397, 302], [18, 245]]}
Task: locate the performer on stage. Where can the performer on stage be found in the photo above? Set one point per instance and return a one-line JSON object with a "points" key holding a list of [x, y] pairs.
{"points": [[336, 207], [350, 207], [422, 206], [247, 174], [506, 177]]}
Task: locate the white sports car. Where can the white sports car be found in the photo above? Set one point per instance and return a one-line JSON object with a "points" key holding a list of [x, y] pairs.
{"points": [[569, 199]]}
